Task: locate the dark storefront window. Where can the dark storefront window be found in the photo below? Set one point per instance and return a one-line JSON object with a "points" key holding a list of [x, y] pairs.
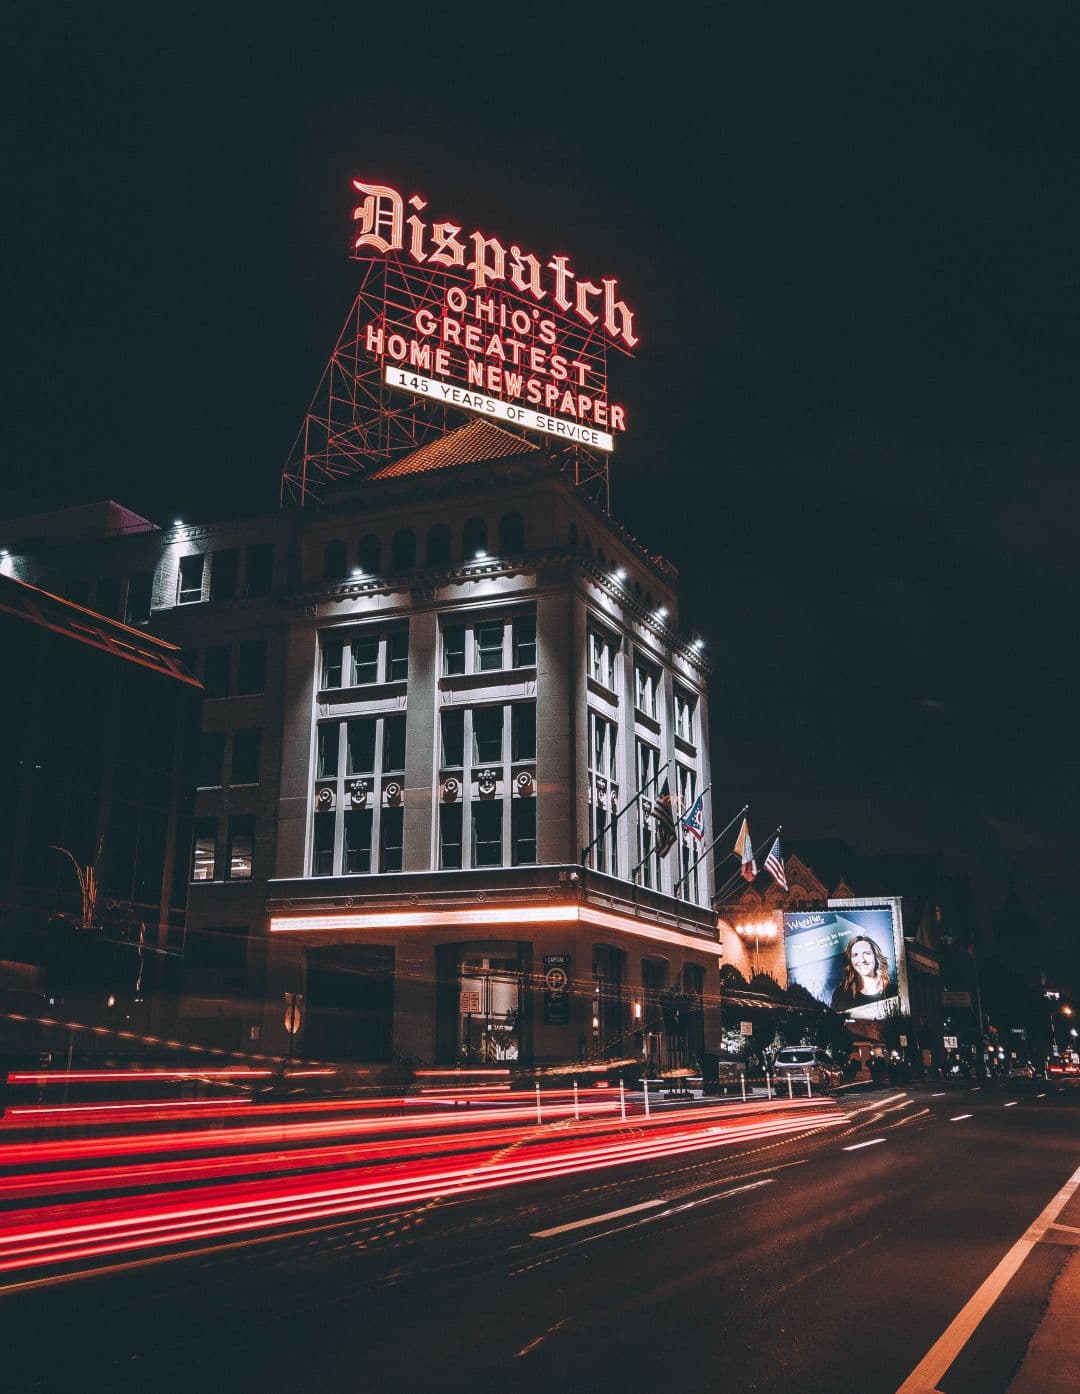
{"points": [[224, 570], [216, 670], [260, 568], [251, 670], [241, 846]]}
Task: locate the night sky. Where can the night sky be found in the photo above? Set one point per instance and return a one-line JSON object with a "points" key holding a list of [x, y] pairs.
{"points": [[852, 240]]}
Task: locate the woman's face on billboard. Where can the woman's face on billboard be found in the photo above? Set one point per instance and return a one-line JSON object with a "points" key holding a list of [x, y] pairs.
{"points": [[863, 958]]}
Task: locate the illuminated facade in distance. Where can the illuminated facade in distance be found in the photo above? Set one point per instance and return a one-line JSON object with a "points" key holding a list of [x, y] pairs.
{"points": [[425, 696]]}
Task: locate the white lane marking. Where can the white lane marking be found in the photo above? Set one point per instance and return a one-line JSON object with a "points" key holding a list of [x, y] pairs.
{"points": [[856, 1145], [938, 1096], [1009, 1105], [598, 1219], [959, 1117], [976, 1088], [927, 1374], [1040, 1096], [534, 1343]]}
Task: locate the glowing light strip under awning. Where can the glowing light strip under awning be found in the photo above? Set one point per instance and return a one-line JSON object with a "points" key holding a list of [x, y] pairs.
{"points": [[488, 915]]}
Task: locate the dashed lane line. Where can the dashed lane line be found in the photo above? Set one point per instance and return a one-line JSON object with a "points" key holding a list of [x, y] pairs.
{"points": [[597, 1219], [959, 1117], [872, 1142]]}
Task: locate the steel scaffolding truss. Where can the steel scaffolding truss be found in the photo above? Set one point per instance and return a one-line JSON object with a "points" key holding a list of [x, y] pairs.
{"points": [[356, 422]]}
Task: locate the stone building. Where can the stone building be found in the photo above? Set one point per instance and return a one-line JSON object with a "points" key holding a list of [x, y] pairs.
{"points": [[426, 697]]}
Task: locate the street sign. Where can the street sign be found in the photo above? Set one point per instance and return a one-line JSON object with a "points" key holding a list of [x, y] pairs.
{"points": [[950, 1043], [903, 1040], [470, 1002], [557, 989], [746, 1028]]}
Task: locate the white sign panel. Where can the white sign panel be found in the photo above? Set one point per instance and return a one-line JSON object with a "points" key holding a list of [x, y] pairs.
{"points": [[746, 1028], [451, 395], [950, 1043]]}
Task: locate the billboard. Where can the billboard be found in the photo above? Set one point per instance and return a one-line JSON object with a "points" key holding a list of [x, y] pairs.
{"points": [[465, 321], [850, 957]]}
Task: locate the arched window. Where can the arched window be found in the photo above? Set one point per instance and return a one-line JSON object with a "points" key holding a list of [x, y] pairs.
{"points": [[369, 554], [335, 560], [474, 538], [571, 535], [601, 560], [637, 590], [438, 545], [511, 534], [403, 550], [649, 604]]}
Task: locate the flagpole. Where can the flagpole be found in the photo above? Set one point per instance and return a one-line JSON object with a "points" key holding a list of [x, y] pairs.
{"points": [[625, 809], [754, 854], [712, 844]]}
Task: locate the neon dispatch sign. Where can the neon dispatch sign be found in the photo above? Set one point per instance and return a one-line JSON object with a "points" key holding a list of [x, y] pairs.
{"points": [[467, 322]]}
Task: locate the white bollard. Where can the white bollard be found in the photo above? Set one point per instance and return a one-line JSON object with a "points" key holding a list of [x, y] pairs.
{"points": [[808, 1094], [768, 1086], [790, 1091], [622, 1099], [539, 1115], [742, 1081], [577, 1114], [645, 1082]]}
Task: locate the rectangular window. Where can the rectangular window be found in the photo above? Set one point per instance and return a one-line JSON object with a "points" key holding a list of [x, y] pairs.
{"points": [[322, 847], [358, 822], [602, 760], [684, 715], [189, 586], [453, 739], [602, 660], [391, 837], [487, 735], [216, 670], [241, 847], [487, 826], [224, 567], [251, 670], [140, 590], [361, 736], [648, 764], [523, 731], [453, 648], [397, 656], [645, 685], [523, 831], [332, 652], [205, 849], [246, 753], [108, 596], [689, 848], [525, 641], [450, 836], [489, 646], [326, 767], [260, 568], [365, 659], [211, 759], [393, 744]]}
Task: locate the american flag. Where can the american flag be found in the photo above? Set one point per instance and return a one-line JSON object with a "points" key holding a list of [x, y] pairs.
{"points": [[774, 865], [664, 821]]}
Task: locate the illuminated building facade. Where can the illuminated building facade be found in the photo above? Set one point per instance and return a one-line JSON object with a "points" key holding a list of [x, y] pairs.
{"points": [[426, 696]]}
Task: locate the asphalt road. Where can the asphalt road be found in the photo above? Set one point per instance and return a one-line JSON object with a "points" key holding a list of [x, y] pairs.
{"points": [[826, 1263]]}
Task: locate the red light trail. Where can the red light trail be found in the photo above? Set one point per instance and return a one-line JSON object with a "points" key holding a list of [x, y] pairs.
{"points": [[492, 1148]]}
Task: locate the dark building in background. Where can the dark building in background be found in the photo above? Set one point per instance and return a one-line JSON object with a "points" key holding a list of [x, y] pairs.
{"points": [[97, 738]]}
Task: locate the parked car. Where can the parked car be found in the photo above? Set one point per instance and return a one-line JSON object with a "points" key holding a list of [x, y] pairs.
{"points": [[1019, 1071], [1061, 1067], [798, 1062]]}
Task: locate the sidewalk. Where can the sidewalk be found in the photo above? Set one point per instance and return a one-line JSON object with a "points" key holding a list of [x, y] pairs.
{"points": [[1051, 1364]]}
